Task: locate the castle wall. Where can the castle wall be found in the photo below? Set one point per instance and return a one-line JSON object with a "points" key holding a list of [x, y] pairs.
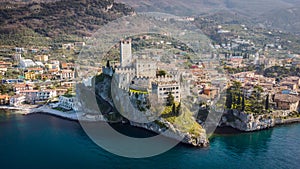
{"points": [[146, 68]]}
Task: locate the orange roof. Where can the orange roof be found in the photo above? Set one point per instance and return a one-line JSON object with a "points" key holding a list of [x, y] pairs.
{"points": [[35, 68], [5, 96]]}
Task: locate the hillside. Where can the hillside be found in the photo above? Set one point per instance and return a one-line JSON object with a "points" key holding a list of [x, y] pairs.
{"points": [[284, 19], [274, 13], [196, 7], [58, 19]]}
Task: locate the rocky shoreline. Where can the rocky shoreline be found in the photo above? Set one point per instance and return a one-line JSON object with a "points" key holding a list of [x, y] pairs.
{"points": [[249, 122]]}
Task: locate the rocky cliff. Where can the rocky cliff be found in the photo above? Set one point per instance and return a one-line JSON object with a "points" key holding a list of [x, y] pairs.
{"points": [[251, 122], [192, 134]]}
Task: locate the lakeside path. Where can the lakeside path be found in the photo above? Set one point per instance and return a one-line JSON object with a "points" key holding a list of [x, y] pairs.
{"points": [[70, 115]]}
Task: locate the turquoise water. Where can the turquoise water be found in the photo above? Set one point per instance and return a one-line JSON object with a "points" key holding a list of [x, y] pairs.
{"points": [[41, 141]]}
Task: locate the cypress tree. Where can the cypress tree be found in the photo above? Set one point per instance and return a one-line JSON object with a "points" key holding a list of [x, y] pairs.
{"points": [[267, 103], [243, 103]]}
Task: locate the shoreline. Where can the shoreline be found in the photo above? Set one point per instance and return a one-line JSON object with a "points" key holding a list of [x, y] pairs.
{"points": [[77, 116]]}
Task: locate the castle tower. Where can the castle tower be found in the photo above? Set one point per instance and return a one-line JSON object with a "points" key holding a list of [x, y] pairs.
{"points": [[125, 53]]}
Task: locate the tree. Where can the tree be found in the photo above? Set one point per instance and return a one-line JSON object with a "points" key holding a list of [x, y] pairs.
{"points": [[170, 99], [267, 103], [107, 63], [161, 73], [229, 99], [243, 103], [174, 109]]}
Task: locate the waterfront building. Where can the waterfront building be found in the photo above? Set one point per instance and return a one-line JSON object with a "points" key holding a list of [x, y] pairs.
{"points": [[17, 100], [66, 102], [287, 102], [4, 99]]}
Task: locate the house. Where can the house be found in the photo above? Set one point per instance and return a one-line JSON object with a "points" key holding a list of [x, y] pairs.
{"points": [[79, 44], [54, 64], [33, 96], [60, 92], [47, 76], [287, 102], [68, 84], [211, 92], [30, 76], [68, 46], [4, 99], [17, 100], [66, 102], [46, 95], [3, 69], [25, 63], [67, 74], [36, 70], [21, 87], [6, 64], [67, 65], [42, 58], [293, 79], [290, 85]]}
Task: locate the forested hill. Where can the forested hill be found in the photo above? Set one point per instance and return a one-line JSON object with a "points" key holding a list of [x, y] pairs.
{"points": [[58, 18]]}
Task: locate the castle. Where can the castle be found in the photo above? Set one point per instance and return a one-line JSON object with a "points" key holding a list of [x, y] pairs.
{"points": [[138, 74]]}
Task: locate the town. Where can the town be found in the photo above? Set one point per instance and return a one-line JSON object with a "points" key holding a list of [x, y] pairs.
{"points": [[35, 76]]}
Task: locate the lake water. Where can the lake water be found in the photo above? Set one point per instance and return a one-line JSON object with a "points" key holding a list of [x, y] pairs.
{"points": [[42, 141]]}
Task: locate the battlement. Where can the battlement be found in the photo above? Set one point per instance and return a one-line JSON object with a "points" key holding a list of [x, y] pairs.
{"points": [[126, 41], [166, 78], [125, 70]]}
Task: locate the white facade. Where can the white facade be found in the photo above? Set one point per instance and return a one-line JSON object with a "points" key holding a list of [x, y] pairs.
{"points": [[35, 95], [67, 74], [66, 102], [16, 100], [25, 63]]}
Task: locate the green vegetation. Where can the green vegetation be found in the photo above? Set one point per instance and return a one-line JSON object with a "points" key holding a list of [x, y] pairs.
{"points": [[59, 21], [239, 69], [256, 103], [161, 73], [6, 88], [184, 120], [280, 72]]}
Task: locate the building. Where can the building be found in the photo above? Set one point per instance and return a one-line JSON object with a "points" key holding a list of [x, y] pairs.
{"points": [[293, 79], [162, 88], [30, 76], [291, 85], [17, 100], [66, 102], [36, 70], [60, 92], [42, 58], [4, 99], [33, 96], [25, 63], [67, 74], [21, 87], [139, 75], [6, 64], [145, 68], [287, 102], [47, 76], [79, 44], [3, 70]]}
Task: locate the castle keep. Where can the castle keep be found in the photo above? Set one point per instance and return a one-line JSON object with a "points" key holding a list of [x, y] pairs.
{"points": [[139, 74]]}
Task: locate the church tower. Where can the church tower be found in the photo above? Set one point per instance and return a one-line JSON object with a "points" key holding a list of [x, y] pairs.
{"points": [[125, 53]]}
